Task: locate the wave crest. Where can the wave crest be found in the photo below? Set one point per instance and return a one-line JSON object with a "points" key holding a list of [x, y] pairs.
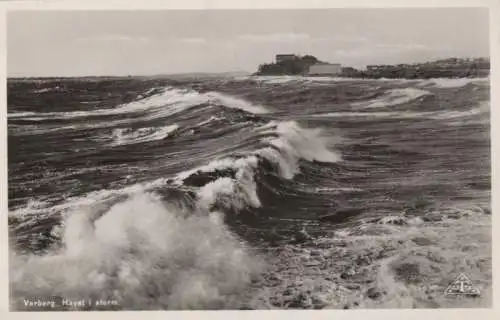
{"points": [[231, 182], [122, 136], [144, 253]]}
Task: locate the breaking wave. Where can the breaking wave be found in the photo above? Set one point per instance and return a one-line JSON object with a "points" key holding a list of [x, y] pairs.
{"points": [[168, 102], [393, 97], [144, 253], [482, 108], [200, 199], [145, 250], [453, 83]]}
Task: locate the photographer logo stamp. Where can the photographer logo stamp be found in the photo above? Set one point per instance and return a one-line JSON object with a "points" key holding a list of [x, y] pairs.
{"points": [[461, 286]]}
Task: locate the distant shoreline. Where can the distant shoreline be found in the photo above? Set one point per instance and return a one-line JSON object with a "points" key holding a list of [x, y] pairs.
{"points": [[443, 68], [451, 68], [133, 77], [369, 78], [104, 78], [383, 75]]}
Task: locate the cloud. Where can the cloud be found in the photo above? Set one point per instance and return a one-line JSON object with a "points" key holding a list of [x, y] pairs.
{"points": [[193, 40], [275, 37], [365, 49], [401, 46], [303, 37], [345, 39], [112, 38], [351, 53]]}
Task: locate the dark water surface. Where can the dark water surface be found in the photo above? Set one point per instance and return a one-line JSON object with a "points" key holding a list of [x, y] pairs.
{"points": [[271, 192]]}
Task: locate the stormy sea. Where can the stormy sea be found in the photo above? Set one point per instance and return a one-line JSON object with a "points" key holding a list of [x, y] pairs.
{"points": [[248, 193]]}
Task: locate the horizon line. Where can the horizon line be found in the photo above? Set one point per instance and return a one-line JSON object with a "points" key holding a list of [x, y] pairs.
{"points": [[220, 72]]}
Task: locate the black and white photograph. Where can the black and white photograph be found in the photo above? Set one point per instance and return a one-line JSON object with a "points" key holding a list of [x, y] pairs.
{"points": [[249, 159]]}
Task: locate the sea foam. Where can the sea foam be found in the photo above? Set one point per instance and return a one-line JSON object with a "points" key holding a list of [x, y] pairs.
{"points": [[143, 253]]}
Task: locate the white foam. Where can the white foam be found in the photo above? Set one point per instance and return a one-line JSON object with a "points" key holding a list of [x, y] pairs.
{"points": [[294, 143], [236, 103], [231, 193], [440, 257], [126, 136], [453, 82], [188, 258], [211, 119], [21, 114], [406, 266], [337, 189], [285, 150], [43, 90], [483, 107], [138, 247], [221, 164], [178, 99], [166, 103], [308, 144], [275, 79], [89, 199], [381, 114], [393, 97]]}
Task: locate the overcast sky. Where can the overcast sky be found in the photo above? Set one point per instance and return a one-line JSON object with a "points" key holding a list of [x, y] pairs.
{"points": [[75, 43]]}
